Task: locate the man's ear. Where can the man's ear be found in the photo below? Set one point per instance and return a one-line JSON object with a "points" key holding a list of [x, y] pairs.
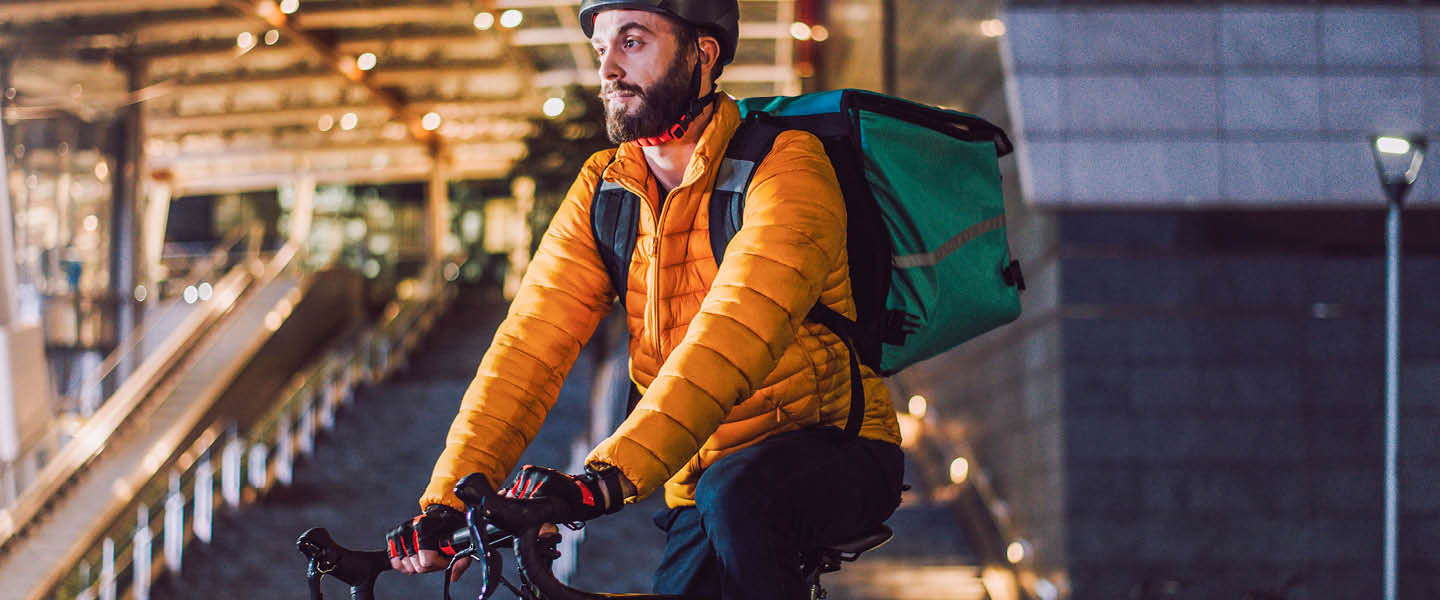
{"points": [[709, 54]]}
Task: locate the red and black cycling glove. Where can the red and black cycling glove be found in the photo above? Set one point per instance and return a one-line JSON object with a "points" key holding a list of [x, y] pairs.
{"points": [[586, 496], [428, 531]]}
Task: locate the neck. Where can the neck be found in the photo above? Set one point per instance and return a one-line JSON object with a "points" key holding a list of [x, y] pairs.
{"points": [[668, 160]]}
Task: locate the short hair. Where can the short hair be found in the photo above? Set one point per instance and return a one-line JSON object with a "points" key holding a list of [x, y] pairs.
{"points": [[687, 35]]}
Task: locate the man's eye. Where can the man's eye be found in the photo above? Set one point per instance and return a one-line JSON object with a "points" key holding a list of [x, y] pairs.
{"points": [[632, 43]]}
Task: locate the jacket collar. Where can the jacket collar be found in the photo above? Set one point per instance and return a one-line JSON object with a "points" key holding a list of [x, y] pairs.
{"points": [[630, 170]]}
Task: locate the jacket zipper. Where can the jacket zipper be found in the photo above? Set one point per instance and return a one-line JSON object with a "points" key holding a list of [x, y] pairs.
{"points": [[652, 304]]}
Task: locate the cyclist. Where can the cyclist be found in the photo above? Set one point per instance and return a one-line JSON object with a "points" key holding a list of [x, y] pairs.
{"points": [[744, 401]]}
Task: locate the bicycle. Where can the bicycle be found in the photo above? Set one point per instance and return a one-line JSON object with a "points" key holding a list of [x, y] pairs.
{"points": [[496, 520]]}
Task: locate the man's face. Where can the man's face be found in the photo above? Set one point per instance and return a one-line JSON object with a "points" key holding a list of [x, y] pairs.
{"points": [[645, 75]]}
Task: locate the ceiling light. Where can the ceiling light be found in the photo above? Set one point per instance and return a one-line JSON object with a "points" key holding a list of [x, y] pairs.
{"points": [[272, 37], [349, 120], [102, 170], [289, 6], [431, 121], [484, 20], [511, 19], [992, 28], [554, 107], [819, 33], [245, 40], [326, 122], [366, 61], [800, 31]]}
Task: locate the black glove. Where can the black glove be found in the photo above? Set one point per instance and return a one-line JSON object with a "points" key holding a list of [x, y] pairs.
{"points": [[428, 531], [586, 496]]}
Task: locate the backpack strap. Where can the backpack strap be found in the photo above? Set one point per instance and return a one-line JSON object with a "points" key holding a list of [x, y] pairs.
{"points": [[615, 221], [751, 141], [749, 145]]}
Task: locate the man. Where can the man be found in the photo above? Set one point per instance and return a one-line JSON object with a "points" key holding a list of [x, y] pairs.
{"points": [[744, 401]]}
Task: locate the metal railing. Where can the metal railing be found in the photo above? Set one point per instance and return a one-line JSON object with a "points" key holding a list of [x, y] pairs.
{"points": [[957, 479], [165, 347], [121, 562], [239, 251]]}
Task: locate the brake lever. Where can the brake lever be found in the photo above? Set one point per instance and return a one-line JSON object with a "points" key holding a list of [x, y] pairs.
{"points": [[489, 558]]}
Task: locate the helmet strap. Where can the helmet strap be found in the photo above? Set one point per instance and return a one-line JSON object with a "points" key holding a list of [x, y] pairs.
{"points": [[697, 106]]}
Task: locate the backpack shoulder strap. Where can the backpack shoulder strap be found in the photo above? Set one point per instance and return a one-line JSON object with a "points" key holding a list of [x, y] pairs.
{"points": [[748, 146], [615, 220], [752, 141]]}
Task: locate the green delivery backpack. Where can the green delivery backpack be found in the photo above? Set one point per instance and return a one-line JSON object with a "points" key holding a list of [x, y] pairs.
{"points": [[930, 266]]}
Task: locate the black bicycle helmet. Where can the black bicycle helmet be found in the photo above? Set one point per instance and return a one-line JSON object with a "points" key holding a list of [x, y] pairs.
{"points": [[720, 18]]}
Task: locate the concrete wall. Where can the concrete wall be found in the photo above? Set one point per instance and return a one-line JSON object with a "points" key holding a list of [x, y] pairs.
{"points": [[1209, 104], [1223, 407]]}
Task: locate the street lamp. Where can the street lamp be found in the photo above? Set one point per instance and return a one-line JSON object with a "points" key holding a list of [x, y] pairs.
{"points": [[1397, 160]]}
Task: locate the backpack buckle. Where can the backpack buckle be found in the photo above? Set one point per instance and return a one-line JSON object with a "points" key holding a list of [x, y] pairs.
{"points": [[898, 326], [1013, 276]]}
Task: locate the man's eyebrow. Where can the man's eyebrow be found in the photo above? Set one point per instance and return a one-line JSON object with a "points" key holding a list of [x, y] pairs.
{"points": [[632, 26]]}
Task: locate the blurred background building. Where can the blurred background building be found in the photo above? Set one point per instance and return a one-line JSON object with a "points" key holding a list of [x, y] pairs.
{"points": [[226, 219]]}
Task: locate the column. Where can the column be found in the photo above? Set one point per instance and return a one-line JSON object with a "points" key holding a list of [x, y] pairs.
{"points": [[124, 208], [437, 210], [152, 235], [302, 212]]}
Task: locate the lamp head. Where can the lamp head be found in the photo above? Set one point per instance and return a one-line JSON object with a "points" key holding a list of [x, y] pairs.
{"points": [[1397, 161]]}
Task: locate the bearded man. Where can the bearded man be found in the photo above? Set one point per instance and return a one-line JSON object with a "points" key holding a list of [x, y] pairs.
{"points": [[745, 404]]}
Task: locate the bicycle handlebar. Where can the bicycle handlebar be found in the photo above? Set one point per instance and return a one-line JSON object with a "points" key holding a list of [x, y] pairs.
{"points": [[524, 518], [501, 518], [359, 568]]}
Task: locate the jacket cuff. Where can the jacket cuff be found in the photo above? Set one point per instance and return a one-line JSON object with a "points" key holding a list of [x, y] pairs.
{"points": [[608, 454], [441, 491]]}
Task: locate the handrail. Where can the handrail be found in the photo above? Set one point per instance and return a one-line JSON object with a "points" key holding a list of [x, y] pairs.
{"points": [[306, 404], [93, 436], [202, 271], [985, 514]]}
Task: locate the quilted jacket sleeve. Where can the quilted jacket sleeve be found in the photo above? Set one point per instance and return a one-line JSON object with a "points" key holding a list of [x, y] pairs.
{"points": [[563, 296], [772, 274]]}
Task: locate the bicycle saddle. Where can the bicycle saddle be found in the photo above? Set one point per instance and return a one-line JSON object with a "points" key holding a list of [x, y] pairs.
{"points": [[849, 549]]}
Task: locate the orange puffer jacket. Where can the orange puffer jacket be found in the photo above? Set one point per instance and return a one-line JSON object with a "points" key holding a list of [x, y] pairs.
{"points": [[724, 356]]}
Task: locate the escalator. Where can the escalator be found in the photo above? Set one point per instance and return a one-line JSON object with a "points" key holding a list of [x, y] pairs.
{"points": [[171, 397]]}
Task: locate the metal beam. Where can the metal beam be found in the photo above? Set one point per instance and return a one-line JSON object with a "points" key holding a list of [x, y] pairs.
{"points": [[175, 125], [376, 16], [312, 155], [31, 11], [486, 169], [394, 76]]}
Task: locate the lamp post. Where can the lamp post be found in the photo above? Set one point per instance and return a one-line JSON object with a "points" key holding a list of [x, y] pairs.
{"points": [[1397, 160]]}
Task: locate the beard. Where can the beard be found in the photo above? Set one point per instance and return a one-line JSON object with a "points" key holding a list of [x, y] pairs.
{"points": [[661, 106]]}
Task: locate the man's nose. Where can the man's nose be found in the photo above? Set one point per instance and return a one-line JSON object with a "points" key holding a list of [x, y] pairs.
{"points": [[608, 69]]}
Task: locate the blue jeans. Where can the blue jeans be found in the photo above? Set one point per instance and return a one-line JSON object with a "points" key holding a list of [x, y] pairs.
{"points": [[758, 508]]}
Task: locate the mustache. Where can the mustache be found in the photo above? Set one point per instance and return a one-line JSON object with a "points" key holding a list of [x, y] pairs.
{"points": [[620, 86]]}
